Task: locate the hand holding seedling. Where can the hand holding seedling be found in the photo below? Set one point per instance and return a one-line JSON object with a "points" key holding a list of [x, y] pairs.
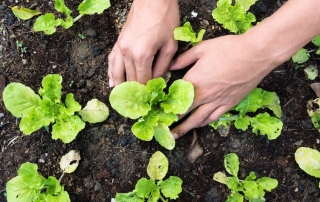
{"points": [[147, 32]]}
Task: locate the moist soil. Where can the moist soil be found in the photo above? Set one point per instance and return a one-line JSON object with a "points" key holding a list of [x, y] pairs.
{"points": [[112, 158]]}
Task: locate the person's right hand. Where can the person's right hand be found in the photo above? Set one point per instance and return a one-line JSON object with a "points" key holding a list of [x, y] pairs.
{"points": [[146, 45]]}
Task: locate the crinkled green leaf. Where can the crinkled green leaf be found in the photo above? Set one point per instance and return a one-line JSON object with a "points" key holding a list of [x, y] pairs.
{"points": [[53, 185], [51, 87], [251, 102], [267, 183], [231, 163], [24, 13], [246, 4], [235, 197], [163, 135], [144, 187], [66, 128], [143, 129], [233, 183], [220, 177], [128, 197], [311, 72], [94, 112], [89, 7], [46, 23], [225, 120], [30, 176], [267, 125], [61, 7], [19, 99], [316, 40], [246, 24], [18, 191], [271, 101], [242, 122], [63, 196], [72, 105], [308, 160], [180, 97], [130, 99], [186, 33], [250, 189], [301, 56], [166, 118], [251, 176], [158, 166], [155, 87], [171, 187]]}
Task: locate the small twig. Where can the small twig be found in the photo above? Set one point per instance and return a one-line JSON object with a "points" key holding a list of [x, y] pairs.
{"points": [[288, 102]]}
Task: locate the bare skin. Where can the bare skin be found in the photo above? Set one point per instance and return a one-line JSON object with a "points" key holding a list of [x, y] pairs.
{"points": [[225, 69]]}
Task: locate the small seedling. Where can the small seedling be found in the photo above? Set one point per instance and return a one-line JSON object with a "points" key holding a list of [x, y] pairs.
{"points": [[20, 46], [81, 36], [155, 109], [313, 109], [152, 189], [316, 41], [235, 18], [300, 57], [311, 71], [186, 33], [308, 160], [36, 112], [30, 185], [250, 188], [48, 22], [241, 114]]}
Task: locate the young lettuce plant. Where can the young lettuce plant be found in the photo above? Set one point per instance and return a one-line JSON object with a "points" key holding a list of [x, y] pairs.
{"points": [[155, 109], [36, 112], [263, 122], [186, 33], [313, 109], [252, 189], [308, 160], [48, 22], [235, 18], [30, 185], [152, 189]]}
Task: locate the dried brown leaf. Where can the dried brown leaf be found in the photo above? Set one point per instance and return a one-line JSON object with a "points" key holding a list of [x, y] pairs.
{"points": [[316, 88], [195, 150]]}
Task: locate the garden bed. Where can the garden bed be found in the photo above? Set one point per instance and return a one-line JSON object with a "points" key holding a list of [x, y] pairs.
{"points": [[112, 158]]}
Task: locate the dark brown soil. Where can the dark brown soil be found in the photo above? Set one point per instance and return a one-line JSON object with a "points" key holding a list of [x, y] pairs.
{"points": [[112, 158]]}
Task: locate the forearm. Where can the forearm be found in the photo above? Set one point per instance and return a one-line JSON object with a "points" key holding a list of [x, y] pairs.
{"points": [[290, 28]]}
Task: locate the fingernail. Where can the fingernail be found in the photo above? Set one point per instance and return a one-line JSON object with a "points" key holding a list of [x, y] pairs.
{"points": [[111, 84], [175, 136]]}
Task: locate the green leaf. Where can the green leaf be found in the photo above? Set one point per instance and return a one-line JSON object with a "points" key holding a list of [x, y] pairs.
{"points": [[242, 122], [220, 177], [30, 176], [246, 4], [155, 87], [51, 87], [235, 197], [72, 105], [267, 125], [46, 23], [20, 100], [166, 118], [89, 7], [145, 187], [267, 183], [143, 129], [53, 185], [163, 135], [94, 112], [18, 191], [231, 163], [311, 72], [251, 102], [180, 97], [24, 13], [67, 127], [251, 176], [301, 56], [130, 99], [158, 166], [186, 33], [271, 101], [308, 160], [233, 183], [316, 40], [128, 197], [225, 120], [250, 189], [171, 187], [61, 7]]}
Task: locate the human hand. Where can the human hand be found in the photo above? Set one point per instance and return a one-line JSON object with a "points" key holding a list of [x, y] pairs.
{"points": [[226, 69], [145, 45]]}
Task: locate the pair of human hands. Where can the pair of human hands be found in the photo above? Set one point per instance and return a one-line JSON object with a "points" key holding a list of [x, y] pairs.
{"points": [[224, 69]]}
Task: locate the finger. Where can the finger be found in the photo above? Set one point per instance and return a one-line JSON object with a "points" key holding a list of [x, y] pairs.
{"points": [[215, 115], [193, 121], [143, 69], [130, 69], [187, 58], [163, 60], [116, 69]]}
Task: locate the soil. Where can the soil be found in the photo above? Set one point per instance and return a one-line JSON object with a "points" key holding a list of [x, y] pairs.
{"points": [[112, 159]]}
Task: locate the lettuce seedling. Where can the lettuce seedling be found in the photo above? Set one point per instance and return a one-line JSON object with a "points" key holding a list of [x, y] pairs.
{"points": [[186, 33], [263, 122], [30, 185], [37, 111], [152, 189], [235, 18], [308, 160], [48, 22], [250, 188], [316, 41], [155, 109], [313, 109]]}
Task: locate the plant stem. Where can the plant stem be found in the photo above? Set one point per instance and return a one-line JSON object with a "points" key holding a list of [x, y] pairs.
{"points": [[77, 18], [61, 177], [231, 118]]}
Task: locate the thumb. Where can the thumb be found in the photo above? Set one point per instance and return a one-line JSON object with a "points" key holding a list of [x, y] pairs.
{"points": [[185, 59]]}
